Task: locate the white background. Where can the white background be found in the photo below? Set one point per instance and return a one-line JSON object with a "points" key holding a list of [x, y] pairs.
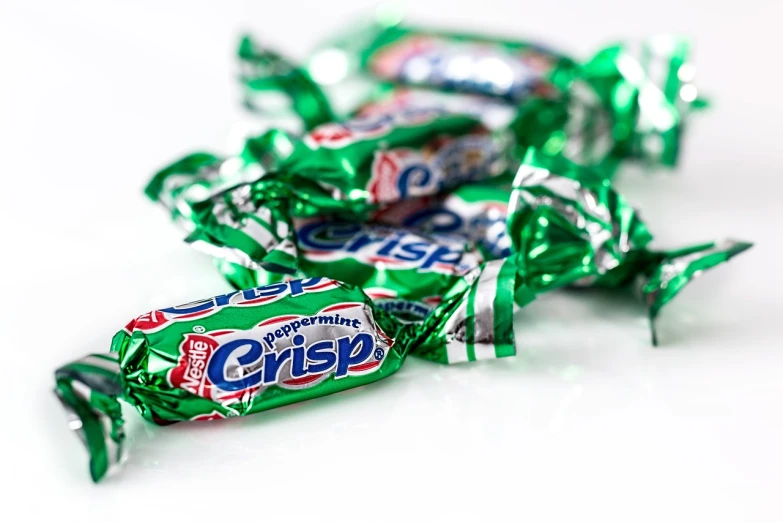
{"points": [[588, 421]]}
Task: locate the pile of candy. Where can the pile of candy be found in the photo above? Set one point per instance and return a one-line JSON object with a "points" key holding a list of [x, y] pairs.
{"points": [[475, 176]]}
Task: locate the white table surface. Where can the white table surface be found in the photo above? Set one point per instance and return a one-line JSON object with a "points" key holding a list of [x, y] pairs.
{"points": [[587, 422]]}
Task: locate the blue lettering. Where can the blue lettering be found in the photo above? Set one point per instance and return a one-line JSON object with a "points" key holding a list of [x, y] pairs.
{"points": [[386, 250], [413, 176], [349, 238], [298, 361], [267, 291], [327, 235], [413, 251], [321, 356], [442, 255], [223, 300], [345, 352], [361, 241], [272, 363], [298, 286], [263, 291], [255, 367], [437, 220], [217, 364]]}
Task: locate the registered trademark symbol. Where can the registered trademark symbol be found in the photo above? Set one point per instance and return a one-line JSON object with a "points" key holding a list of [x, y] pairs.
{"points": [[378, 354], [199, 329]]}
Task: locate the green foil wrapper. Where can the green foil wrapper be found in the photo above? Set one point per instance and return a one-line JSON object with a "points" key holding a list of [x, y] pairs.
{"points": [[260, 348], [628, 100], [625, 102], [475, 176], [566, 226], [572, 228], [264, 71], [351, 168]]}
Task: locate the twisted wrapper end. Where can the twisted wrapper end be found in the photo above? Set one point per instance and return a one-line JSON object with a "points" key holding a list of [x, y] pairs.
{"points": [[88, 389], [680, 267]]}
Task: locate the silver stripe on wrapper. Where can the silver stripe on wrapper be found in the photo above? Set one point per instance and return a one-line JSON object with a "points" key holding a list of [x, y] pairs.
{"points": [[484, 311]]}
